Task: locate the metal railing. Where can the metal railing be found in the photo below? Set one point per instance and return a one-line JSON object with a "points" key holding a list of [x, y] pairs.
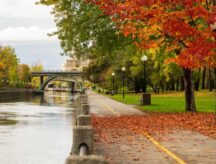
{"points": [[59, 71], [56, 72]]}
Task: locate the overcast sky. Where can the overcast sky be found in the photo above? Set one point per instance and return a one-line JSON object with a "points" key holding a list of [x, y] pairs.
{"points": [[24, 26]]}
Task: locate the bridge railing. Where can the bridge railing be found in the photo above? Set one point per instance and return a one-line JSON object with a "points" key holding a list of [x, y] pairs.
{"points": [[57, 71], [52, 72]]}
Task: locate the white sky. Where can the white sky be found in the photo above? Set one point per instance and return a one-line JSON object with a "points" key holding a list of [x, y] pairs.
{"points": [[24, 26], [23, 8], [23, 20]]}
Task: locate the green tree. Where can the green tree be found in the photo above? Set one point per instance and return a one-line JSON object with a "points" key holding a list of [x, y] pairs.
{"points": [[8, 66], [23, 71], [34, 68], [84, 31]]}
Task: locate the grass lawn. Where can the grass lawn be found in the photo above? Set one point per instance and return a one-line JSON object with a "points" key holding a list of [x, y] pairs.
{"points": [[171, 102]]}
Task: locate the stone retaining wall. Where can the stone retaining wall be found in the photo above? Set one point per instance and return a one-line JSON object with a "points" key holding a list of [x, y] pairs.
{"points": [[83, 135]]}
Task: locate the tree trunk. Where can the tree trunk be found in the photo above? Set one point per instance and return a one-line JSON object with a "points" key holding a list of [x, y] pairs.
{"points": [[197, 83], [173, 85], [203, 78], [167, 86], [211, 81], [182, 84], [177, 84], [214, 78], [189, 90], [162, 84]]}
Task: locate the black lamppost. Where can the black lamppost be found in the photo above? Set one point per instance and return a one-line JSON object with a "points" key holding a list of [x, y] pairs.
{"points": [[144, 60], [113, 82], [146, 98], [123, 76]]}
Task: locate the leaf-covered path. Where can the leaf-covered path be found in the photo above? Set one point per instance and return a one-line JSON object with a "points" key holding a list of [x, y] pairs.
{"points": [[126, 135]]}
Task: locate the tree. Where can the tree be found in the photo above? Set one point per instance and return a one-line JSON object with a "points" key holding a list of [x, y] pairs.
{"points": [[83, 29], [34, 68], [23, 71], [180, 25], [86, 32], [95, 29], [8, 66]]}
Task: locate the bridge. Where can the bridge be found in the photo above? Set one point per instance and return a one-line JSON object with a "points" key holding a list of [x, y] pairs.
{"points": [[75, 77]]}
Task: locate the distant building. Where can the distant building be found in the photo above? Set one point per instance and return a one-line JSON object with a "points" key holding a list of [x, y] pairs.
{"points": [[74, 64]]}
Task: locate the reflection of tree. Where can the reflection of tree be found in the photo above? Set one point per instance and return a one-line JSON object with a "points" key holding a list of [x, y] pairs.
{"points": [[55, 99]]}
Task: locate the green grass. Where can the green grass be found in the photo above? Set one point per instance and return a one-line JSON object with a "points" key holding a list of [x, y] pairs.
{"points": [[171, 102]]}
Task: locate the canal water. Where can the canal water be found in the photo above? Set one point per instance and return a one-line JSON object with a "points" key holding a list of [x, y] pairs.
{"points": [[41, 132]]}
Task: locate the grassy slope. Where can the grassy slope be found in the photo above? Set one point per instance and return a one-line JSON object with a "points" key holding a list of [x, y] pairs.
{"points": [[172, 102]]}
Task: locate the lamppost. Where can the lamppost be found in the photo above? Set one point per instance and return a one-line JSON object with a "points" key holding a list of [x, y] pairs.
{"points": [[113, 81], [144, 60], [123, 76], [146, 98], [89, 71]]}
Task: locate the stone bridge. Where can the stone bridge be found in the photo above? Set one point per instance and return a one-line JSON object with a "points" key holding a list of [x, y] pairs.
{"points": [[75, 77]]}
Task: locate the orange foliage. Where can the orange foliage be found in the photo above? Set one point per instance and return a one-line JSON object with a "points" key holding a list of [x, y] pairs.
{"points": [[182, 23]]}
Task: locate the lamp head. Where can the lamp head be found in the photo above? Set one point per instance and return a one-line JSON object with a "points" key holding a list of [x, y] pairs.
{"points": [[123, 69], [113, 74], [144, 58]]}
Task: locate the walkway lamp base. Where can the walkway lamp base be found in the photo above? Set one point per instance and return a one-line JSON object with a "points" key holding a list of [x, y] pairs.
{"points": [[112, 92], [146, 99]]}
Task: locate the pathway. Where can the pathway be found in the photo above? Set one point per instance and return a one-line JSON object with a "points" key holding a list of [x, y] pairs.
{"points": [[181, 147], [103, 106]]}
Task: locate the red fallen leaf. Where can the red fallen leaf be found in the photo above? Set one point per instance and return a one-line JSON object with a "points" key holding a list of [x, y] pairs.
{"points": [[136, 159], [153, 124], [130, 139]]}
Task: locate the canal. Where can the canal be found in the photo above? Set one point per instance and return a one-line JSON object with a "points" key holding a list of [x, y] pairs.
{"points": [[36, 129]]}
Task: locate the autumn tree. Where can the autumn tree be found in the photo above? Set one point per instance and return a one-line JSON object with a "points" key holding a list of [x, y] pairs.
{"points": [[183, 26], [35, 68], [94, 29], [8, 65], [23, 71]]}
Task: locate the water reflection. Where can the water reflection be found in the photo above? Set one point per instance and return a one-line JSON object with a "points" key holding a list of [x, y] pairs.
{"points": [[43, 132]]}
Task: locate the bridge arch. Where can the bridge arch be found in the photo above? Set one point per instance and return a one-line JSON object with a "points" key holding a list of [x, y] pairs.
{"points": [[55, 77], [70, 76]]}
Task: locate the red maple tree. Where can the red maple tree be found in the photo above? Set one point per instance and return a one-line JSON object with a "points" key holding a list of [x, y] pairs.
{"points": [[183, 26]]}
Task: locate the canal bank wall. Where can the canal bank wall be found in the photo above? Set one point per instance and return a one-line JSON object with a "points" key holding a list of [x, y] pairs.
{"points": [[11, 94], [83, 136]]}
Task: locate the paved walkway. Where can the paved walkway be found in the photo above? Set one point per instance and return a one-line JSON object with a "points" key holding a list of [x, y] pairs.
{"points": [[182, 146], [105, 106]]}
